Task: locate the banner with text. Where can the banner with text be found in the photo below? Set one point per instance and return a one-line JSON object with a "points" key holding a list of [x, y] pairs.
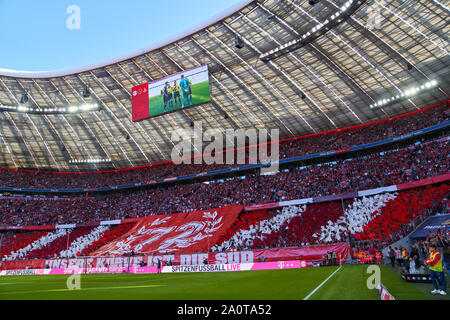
{"points": [[168, 269], [310, 254]]}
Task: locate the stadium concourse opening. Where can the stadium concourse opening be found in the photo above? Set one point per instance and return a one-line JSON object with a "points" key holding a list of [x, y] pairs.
{"points": [[102, 199]]}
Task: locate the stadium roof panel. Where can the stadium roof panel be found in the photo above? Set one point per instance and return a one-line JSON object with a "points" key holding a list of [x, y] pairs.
{"points": [[326, 84]]}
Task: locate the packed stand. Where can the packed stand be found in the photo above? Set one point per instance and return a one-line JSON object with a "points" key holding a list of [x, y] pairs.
{"points": [[394, 218], [378, 219], [61, 243], [110, 235], [362, 173], [419, 251], [28, 252], [15, 241], [311, 144], [258, 229], [76, 247]]}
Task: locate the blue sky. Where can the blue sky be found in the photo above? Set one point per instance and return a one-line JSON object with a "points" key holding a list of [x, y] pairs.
{"points": [[34, 35]]}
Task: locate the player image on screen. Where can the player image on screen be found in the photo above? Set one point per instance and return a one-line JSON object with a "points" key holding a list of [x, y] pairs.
{"points": [[190, 89], [186, 91], [176, 94], [167, 95]]}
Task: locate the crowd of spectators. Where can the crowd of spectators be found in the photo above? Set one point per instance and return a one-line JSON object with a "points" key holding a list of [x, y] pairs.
{"points": [[420, 250], [412, 261], [258, 228], [355, 217], [360, 173], [64, 243], [110, 235], [59, 244], [396, 215], [29, 251], [336, 140], [244, 221], [299, 231], [382, 220], [13, 241], [82, 242]]}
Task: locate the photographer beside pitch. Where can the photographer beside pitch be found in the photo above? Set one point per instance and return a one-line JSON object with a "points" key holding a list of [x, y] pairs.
{"points": [[434, 262]]}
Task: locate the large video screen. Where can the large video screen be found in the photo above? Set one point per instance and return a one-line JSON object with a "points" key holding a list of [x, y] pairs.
{"points": [[179, 91]]}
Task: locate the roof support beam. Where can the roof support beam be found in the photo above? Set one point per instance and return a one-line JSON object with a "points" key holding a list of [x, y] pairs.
{"points": [[100, 121]]}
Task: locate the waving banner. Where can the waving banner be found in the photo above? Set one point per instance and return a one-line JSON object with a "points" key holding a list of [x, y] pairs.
{"points": [[185, 232]]}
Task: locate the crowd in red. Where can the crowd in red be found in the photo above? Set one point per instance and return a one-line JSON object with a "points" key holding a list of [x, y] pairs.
{"points": [[110, 235], [245, 220], [393, 221], [18, 240], [299, 231], [52, 249], [366, 172], [375, 170], [394, 218], [335, 140]]}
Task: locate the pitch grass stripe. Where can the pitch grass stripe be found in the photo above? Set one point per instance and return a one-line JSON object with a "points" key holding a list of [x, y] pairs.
{"points": [[84, 289], [320, 285]]}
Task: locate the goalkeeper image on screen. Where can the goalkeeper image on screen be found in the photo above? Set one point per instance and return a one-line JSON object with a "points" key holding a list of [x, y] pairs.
{"points": [[185, 85], [176, 93]]}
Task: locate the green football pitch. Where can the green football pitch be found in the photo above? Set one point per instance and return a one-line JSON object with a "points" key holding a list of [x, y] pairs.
{"points": [[200, 94], [348, 283]]}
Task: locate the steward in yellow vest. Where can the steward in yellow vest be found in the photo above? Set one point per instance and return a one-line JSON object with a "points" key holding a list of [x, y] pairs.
{"points": [[434, 262], [404, 254]]}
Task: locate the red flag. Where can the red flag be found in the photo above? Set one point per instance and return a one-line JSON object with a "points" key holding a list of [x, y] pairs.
{"points": [[183, 232]]}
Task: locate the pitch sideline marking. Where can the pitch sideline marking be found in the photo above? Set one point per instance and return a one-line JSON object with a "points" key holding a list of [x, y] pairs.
{"points": [[320, 285]]}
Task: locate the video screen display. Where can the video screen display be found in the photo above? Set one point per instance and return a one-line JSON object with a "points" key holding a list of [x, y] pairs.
{"points": [[172, 93]]}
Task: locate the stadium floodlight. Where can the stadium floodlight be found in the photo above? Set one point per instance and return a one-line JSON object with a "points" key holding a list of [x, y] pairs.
{"points": [[320, 28], [49, 110], [346, 5], [412, 91], [90, 161]]}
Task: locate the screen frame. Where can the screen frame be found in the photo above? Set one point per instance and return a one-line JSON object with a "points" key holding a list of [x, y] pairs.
{"points": [[180, 109]]}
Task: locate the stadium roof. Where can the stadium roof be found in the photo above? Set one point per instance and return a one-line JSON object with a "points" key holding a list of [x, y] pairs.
{"points": [[328, 83]]}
